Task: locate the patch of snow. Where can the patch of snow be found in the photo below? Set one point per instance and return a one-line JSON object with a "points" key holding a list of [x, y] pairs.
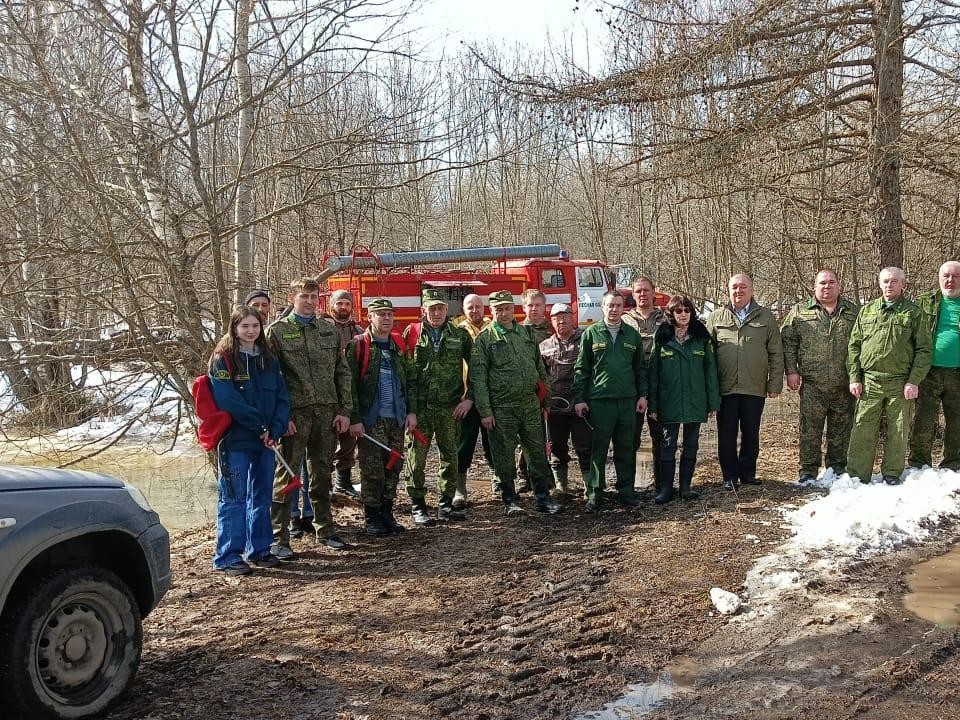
{"points": [[726, 602]]}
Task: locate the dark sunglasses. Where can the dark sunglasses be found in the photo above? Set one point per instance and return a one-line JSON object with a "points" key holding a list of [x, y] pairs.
{"points": [[682, 310]]}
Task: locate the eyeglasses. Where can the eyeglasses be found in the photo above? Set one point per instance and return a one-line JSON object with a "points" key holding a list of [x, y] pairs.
{"points": [[685, 311]]}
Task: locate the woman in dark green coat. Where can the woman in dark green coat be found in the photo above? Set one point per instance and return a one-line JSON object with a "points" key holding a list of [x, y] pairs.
{"points": [[684, 391]]}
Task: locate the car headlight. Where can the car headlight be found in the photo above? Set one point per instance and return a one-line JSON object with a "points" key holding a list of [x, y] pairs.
{"points": [[138, 497]]}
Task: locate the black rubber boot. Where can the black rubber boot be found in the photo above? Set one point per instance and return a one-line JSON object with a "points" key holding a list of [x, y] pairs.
{"points": [[686, 478], [374, 524], [665, 493], [389, 521], [445, 511], [344, 484]]}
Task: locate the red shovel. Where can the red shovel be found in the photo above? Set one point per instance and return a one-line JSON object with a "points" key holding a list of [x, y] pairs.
{"points": [[395, 455], [295, 482]]}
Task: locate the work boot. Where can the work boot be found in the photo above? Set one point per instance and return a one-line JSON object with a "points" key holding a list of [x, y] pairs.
{"points": [[344, 484], [686, 478], [805, 477], [418, 511], [389, 521], [295, 530], [446, 512], [373, 524], [460, 496], [892, 479], [548, 505], [560, 479]]}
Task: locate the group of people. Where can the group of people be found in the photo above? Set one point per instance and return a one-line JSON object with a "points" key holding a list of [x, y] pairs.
{"points": [[321, 390]]}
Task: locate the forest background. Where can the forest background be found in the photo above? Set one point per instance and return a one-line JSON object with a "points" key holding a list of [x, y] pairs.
{"points": [[158, 159]]}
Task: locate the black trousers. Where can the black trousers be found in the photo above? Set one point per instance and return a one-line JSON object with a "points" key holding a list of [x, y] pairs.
{"points": [[739, 416], [564, 427]]}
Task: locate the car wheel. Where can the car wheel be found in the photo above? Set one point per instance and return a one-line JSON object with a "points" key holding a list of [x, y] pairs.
{"points": [[70, 644]]}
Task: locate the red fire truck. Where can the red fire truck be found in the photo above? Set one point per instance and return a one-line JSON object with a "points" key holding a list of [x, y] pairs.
{"points": [[402, 276]]}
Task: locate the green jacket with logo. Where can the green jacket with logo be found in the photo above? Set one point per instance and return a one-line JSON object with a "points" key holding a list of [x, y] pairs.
{"points": [[311, 362], [683, 377], [505, 367], [365, 388], [610, 370], [890, 343], [749, 355], [815, 342], [439, 372]]}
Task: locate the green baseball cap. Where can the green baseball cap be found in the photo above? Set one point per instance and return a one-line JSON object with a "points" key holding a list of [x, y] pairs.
{"points": [[431, 297], [500, 297], [379, 304]]}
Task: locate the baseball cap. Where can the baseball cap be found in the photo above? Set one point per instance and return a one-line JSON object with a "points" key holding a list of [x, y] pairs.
{"points": [[560, 308]]}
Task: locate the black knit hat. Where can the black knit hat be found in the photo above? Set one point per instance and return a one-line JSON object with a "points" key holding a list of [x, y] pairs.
{"points": [[255, 294]]}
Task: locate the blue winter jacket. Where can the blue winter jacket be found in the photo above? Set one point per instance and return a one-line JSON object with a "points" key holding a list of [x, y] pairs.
{"points": [[256, 399]]}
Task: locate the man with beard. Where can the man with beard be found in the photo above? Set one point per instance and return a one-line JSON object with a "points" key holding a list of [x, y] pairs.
{"points": [[340, 315]]}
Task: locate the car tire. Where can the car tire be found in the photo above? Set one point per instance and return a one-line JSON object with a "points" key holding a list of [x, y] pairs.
{"points": [[70, 644]]}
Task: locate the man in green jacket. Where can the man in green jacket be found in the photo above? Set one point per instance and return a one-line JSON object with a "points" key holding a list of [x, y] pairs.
{"points": [[320, 405], [815, 334], [750, 368], [438, 355], [887, 358], [505, 370], [941, 312], [610, 383], [384, 399]]}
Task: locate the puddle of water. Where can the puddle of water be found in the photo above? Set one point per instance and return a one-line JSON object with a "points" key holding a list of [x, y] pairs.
{"points": [[643, 698], [935, 589], [181, 487]]}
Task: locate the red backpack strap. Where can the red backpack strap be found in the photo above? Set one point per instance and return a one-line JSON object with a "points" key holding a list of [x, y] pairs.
{"points": [[363, 354], [400, 342], [413, 335]]}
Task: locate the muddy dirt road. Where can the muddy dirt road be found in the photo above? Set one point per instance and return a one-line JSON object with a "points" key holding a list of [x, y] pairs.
{"points": [[543, 617]]}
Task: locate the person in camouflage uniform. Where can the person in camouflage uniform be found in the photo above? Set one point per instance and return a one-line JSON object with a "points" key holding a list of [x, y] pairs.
{"points": [[473, 323], [887, 358], [340, 315], [815, 335], [384, 397], [941, 312], [534, 304], [319, 386], [439, 356], [645, 318], [505, 369]]}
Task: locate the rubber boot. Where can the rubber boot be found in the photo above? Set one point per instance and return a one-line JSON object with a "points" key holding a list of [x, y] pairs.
{"points": [[686, 478], [389, 521], [418, 511], [373, 522], [446, 512], [460, 496], [665, 493], [344, 484], [560, 480]]}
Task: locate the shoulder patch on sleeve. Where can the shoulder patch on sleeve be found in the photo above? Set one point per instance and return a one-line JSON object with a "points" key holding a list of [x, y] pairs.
{"points": [[221, 375]]}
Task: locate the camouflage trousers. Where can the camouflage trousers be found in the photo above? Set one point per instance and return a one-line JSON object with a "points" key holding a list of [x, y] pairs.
{"points": [[879, 401], [941, 386], [524, 422], [830, 407], [314, 441], [437, 422], [378, 483]]}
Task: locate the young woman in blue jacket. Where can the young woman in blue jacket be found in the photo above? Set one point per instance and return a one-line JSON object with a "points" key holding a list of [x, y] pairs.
{"points": [[246, 382]]}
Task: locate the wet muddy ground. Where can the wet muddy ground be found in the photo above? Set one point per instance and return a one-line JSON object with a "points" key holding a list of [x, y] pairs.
{"points": [[546, 617]]}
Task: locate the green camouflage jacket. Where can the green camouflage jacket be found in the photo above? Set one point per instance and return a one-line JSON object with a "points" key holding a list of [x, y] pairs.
{"points": [[815, 342], [439, 372], [891, 343], [505, 367], [365, 388], [541, 332], [311, 362]]}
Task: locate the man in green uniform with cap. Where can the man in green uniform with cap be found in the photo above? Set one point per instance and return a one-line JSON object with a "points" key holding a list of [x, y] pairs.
{"points": [[438, 356], [887, 359], [384, 396], [815, 334], [941, 312], [320, 405], [610, 383], [505, 372]]}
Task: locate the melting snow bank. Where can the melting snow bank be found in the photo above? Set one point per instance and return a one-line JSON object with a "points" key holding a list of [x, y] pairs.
{"points": [[851, 521]]}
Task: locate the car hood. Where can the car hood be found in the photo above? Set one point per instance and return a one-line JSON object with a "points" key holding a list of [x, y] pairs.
{"points": [[16, 477]]}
